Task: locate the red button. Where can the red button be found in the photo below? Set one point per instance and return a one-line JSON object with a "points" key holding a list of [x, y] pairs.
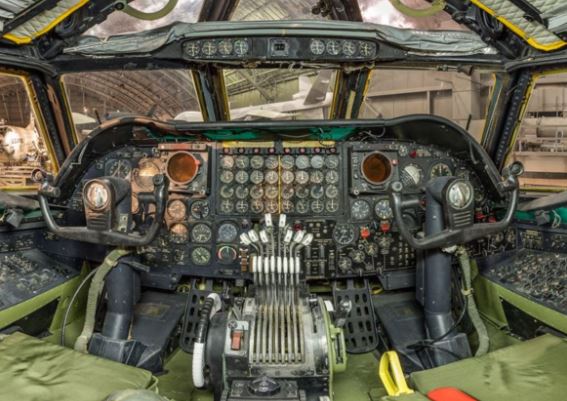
{"points": [[364, 232], [385, 226]]}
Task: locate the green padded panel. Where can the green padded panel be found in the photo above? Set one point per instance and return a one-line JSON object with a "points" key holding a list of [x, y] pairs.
{"points": [[35, 370], [407, 397], [529, 371]]}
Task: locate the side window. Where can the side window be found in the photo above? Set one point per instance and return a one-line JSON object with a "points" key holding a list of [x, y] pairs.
{"points": [[541, 142], [22, 147]]}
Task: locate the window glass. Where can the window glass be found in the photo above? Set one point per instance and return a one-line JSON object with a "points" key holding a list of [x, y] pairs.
{"points": [[457, 96], [23, 148], [541, 143], [270, 10], [161, 94], [279, 94]]}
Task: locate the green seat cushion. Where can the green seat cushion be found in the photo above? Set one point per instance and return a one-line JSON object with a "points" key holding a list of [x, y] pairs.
{"points": [[529, 371], [34, 370]]}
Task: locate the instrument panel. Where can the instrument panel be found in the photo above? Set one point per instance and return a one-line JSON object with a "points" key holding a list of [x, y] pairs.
{"points": [[336, 190]]}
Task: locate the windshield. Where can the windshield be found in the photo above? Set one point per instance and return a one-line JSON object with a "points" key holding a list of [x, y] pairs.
{"points": [[98, 96]]}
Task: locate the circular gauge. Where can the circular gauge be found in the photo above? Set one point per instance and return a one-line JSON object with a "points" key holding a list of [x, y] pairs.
{"points": [[317, 47], [227, 162], [144, 176], [257, 162], [302, 206], [241, 177], [201, 233], [332, 206], [241, 47], [225, 47], [119, 168], [179, 233], [209, 48], [97, 195], [332, 161], [287, 206], [271, 192], [344, 234], [317, 191], [226, 192], [357, 255], [271, 206], [345, 264], [200, 209], [302, 162], [332, 177], [241, 192], [440, 170], [349, 48], [333, 47], [412, 175], [176, 209], [242, 162], [256, 177], [227, 176], [287, 162], [227, 206], [331, 191], [226, 254], [317, 162], [271, 163], [316, 177], [403, 150], [302, 192], [371, 249], [302, 177], [242, 206], [287, 177], [182, 167], [383, 209], [192, 49], [271, 177], [256, 192], [200, 256], [360, 210], [257, 206], [287, 192], [317, 206], [367, 49], [376, 168]]}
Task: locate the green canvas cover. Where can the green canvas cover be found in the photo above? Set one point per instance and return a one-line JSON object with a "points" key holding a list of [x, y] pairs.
{"points": [[34, 370], [529, 371]]}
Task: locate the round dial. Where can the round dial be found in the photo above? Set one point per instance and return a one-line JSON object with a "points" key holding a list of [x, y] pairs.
{"points": [[412, 175], [332, 161], [144, 176], [332, 177], [179, 233], [344, 234], [357, 255], [200, 209], [226, 192], [242, 206], [302, 177], [317, 191], [242, 162], [201, 233], [209, 48], [97, 195], [256, 192], [345, 264], [317, 47], [241, 177], [302, 162], [201, 256], [225, 47], [287, 177], [271, 206], [241, 192], [287, 162], [403, 150], [241, 47], [331, 191], [316, 177], [367, 49], [440, 170], [317, 206], [302, 192], [119, 168], [227, 176], [334, 47], [192, 49], [271, 177], [383, 209], [271, 163], [271, 192], [176, 209], [287, 206], [302, 206], [257, 162], [332, 206], [227, 162], [257, 206], [256, 177], [349, 48], [227, 206], [227, 254], [287, 192], [317, 162], [360, 210]]}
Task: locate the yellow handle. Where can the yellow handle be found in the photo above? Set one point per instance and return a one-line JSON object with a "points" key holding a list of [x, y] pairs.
{"points": [[392, 375]]}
